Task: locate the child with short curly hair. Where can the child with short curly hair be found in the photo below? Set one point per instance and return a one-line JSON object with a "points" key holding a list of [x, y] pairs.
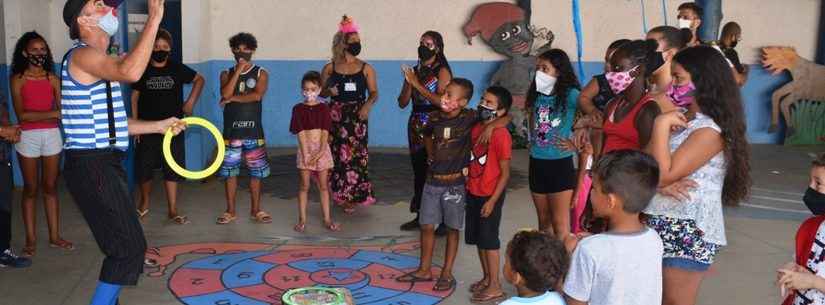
{"points": [[536, 264]]}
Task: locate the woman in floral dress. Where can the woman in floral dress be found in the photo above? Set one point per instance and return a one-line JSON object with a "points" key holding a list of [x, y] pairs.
{"points": [[350, 83]]}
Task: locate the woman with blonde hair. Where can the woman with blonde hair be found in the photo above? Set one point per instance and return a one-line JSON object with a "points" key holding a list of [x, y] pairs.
{"points": [[350, 84]]}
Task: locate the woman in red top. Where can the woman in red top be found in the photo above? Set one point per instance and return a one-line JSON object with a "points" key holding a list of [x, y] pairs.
{"points": [[36, 93], [629, 116]]}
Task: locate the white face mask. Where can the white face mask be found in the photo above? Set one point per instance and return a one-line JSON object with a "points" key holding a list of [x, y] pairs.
{"points": [[109, 23], [545, 83], [684, 23]]}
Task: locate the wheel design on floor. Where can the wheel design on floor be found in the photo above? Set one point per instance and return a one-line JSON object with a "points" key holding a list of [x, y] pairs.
{"points": [[262, 277]]}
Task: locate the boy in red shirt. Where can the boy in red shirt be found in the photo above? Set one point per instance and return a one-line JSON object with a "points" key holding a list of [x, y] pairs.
{"points": [[488, 175]]}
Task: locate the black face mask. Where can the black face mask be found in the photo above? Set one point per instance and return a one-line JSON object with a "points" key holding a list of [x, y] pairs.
{"points": [[815, 201], [425, 53], [246, 56], [160, 56], [37, 60], [734, 43], [354, 48]]}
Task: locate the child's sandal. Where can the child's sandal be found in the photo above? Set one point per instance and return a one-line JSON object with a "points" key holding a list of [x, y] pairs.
{"points": [[332, 226], [62, 244], [477, 287], [482, 298], [444, 284], [226, 218], [262, 217], [300, 227], [179, 219]]}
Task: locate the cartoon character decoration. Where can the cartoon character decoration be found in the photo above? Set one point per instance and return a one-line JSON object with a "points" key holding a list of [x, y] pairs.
{"points": [[547, 127], [805, 95], [506, 28]]}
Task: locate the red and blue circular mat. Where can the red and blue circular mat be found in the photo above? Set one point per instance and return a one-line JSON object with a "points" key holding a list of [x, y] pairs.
{"points": [[259, 274]]}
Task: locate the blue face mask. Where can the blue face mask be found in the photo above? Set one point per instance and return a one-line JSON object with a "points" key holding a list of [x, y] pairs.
{"points": [[109, 23]]}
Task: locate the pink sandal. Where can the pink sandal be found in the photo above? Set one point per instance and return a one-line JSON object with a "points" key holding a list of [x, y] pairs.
{"points": [[300, 227], [332, 226]]}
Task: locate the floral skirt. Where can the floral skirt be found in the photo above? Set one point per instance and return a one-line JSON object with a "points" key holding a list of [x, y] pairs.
{"points": [[350, 182], [682, 239]]}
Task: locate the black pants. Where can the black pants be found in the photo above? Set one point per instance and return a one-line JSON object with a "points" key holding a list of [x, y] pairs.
{"points": [[420, 166], [5, 205], [97, 182]]}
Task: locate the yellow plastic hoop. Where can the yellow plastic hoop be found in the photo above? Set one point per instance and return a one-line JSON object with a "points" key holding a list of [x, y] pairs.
{"points": [[167, 150]]}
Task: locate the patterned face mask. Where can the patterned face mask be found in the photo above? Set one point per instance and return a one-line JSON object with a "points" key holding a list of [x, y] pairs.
{"points": [[682, 95], [311, 96], [619, 81], [447, 105]]}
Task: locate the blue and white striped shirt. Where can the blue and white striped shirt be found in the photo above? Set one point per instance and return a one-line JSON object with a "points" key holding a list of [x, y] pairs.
{"points": [[85, 116]]}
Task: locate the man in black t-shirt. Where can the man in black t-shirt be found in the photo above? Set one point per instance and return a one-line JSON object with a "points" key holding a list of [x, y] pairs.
{"points": [[159, 95]]}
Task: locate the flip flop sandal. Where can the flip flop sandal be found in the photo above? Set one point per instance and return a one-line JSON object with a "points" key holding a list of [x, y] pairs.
{"points": [[334, 227], [412, 278], [300, 227], [481, 298], [262, 217], [226, 218], [181, 220], [29, 251], [143, 213], [62, 244], [443, 284], [477, 287]]}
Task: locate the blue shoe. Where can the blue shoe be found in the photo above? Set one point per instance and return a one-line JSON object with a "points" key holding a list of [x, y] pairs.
{"points": [[9, 259]]}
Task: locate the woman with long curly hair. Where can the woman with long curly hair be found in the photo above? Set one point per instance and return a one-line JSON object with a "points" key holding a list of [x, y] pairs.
{"points": [[703, 157], [551, 102], [35, 91], [350, 83]]}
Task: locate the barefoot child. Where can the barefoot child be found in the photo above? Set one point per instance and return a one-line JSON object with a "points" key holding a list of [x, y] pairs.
{"points": [[488, 176], [311, 122], [535, 263], [624, 264], [803, 281]]}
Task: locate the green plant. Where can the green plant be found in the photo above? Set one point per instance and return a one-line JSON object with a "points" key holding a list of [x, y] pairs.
{"points": [[809, 122]]}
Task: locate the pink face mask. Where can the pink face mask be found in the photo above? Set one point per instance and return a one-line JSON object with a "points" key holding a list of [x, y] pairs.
{"points": [[619, 81], [681, 95], [448, 105]]}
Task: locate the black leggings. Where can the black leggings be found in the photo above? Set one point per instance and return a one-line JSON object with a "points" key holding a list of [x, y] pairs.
{"points": [[420, 166], [97, 182]]}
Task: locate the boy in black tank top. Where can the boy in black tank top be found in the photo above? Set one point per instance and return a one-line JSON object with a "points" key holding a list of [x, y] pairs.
{"points": [[242, 90]]}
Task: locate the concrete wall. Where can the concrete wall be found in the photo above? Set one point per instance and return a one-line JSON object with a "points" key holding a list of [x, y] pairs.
{"points": [[295, 36]]}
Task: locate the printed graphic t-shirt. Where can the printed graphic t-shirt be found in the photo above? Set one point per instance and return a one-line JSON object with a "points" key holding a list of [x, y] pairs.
{"points": [[451, 142], [551, 122], [484, 160], [161, 91]]}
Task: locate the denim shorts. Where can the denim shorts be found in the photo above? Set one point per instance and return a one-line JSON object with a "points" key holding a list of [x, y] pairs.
{"points": [[443, 204]]}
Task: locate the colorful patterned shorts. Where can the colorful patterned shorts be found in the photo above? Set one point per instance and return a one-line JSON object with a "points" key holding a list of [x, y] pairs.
{"points": [[683, 242], [254, 158]]}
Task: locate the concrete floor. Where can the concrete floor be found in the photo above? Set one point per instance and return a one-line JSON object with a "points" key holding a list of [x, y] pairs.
{"points": [[760, 232]]}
